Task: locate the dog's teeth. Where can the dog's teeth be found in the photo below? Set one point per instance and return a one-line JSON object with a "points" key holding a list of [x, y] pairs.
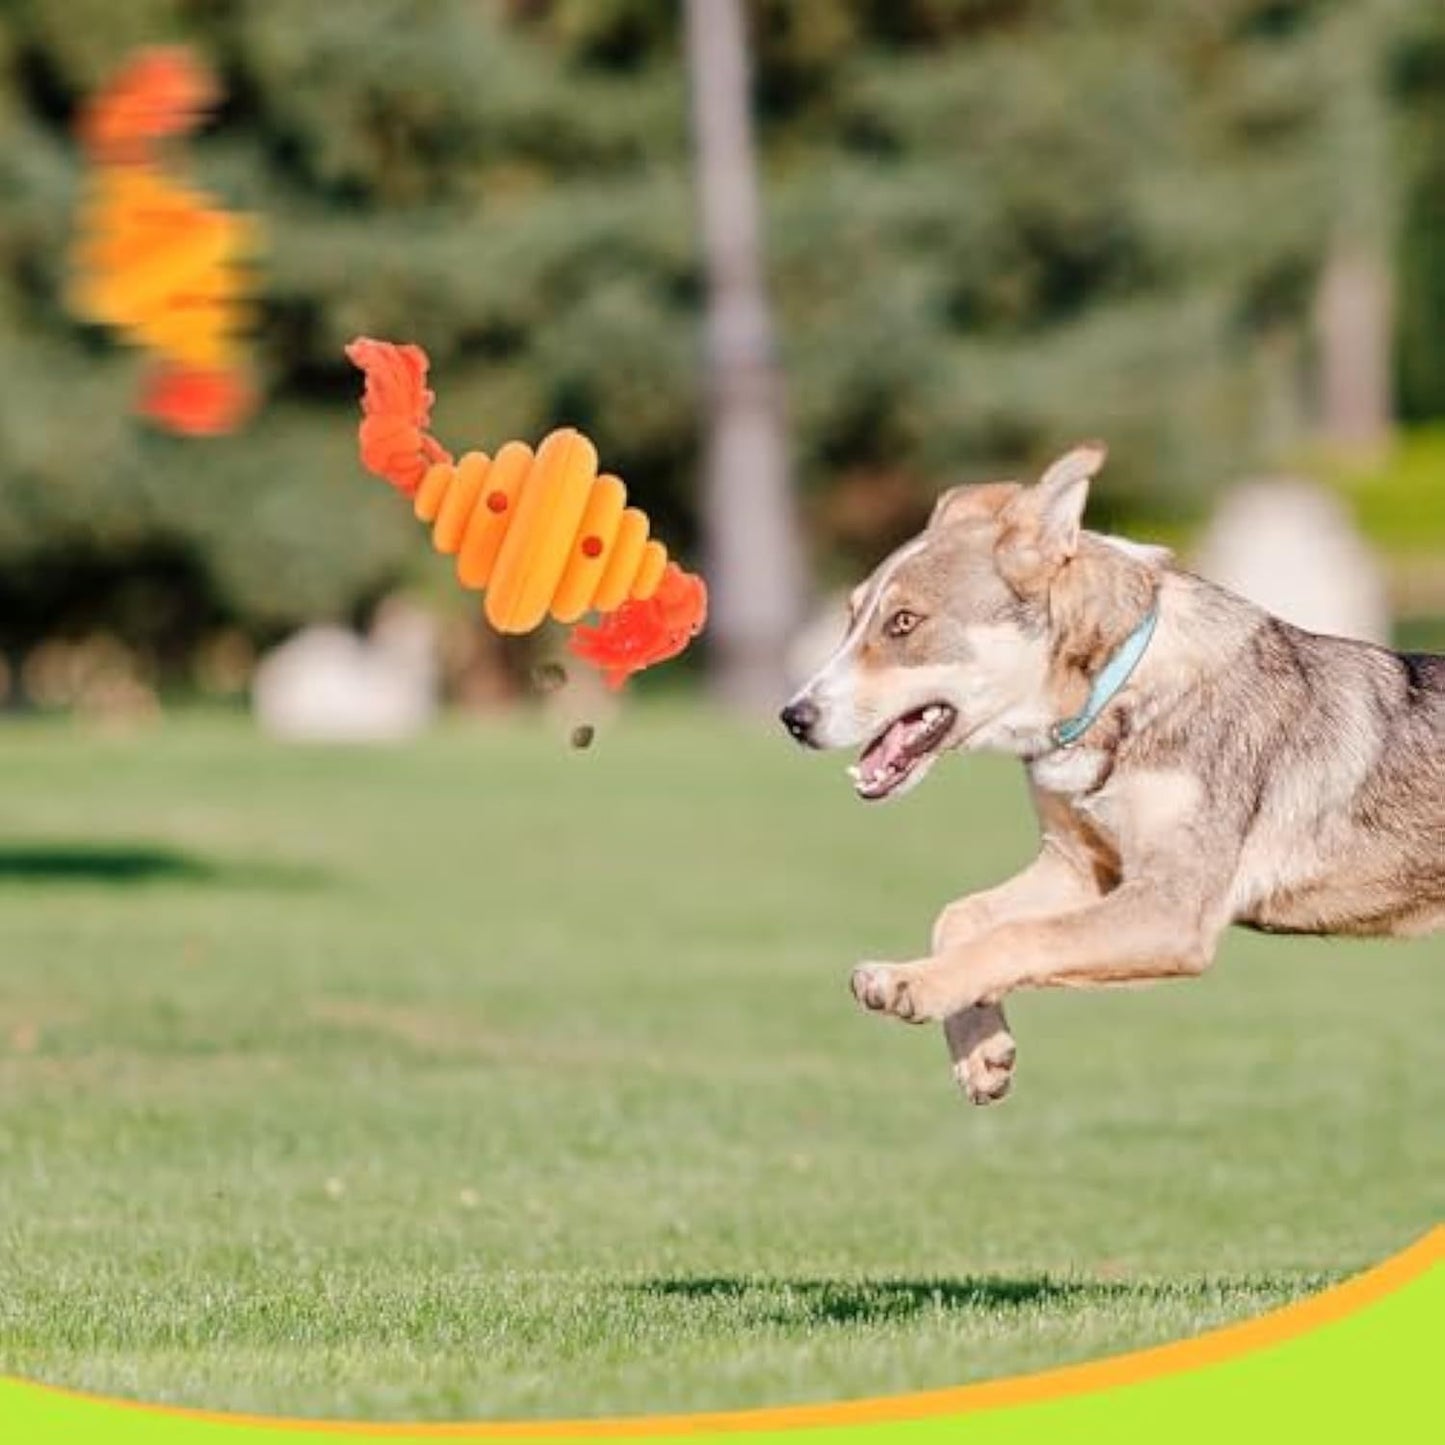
{"points": [[854, 771]]}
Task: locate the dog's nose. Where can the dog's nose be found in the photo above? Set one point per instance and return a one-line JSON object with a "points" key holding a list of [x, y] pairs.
{"points": [[800, 717]]}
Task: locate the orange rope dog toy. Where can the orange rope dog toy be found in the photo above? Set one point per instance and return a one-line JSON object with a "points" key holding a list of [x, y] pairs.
{"points": [[541, 531], [158, 260]]}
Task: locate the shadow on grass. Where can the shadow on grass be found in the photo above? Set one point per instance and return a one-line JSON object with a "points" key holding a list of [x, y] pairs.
{"points": [[892, 1301], [126, 864]]}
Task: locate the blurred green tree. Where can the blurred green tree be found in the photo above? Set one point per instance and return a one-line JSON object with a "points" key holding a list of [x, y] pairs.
{"points": [[1419, 71], [993, 226]]}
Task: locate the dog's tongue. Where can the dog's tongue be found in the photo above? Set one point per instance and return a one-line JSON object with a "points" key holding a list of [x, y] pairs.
{"points": [[894, 743], [888, 752]]}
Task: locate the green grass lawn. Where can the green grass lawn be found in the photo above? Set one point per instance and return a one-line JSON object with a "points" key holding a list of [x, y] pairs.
{"points": [[490, 1078]]}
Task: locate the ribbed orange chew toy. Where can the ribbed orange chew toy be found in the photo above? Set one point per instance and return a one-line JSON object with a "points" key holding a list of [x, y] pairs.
{"points": [[540, 531]]}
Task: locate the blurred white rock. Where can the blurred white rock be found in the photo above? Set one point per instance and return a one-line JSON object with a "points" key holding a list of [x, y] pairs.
{"points": [[328, 684], [817, 639], [1291, 547]]}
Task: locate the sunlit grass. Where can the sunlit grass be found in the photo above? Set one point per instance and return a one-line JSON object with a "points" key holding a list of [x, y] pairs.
{"points": [[485, 1077]]}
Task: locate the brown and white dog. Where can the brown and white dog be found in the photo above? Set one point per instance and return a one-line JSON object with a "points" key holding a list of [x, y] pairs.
{"points": [[1193, 761]]}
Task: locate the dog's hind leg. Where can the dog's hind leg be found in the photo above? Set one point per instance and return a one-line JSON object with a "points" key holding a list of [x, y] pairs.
{"points": [[982, 1051]]}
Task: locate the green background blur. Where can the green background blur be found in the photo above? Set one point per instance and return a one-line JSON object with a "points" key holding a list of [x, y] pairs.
{"points": [[992, 226], [487, 1076]]}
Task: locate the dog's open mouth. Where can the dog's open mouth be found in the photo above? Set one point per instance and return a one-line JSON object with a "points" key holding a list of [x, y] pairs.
{"points": [[901, 753]]}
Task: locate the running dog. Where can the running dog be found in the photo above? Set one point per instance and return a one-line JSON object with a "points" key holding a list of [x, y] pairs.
{"points": [[1193, 761]]}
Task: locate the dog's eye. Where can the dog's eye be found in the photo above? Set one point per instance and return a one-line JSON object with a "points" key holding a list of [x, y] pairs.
{"points": [[902, 623]]}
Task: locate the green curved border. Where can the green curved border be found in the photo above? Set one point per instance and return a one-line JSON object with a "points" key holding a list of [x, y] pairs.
{"points": [[1371, 1369]]}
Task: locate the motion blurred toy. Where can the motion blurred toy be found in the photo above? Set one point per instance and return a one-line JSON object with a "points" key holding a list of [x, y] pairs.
{"points": [[158, 260], [540, 531]]}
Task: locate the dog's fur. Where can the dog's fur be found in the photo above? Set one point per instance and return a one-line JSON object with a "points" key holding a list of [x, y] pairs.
{"points": [[1248, 772]]}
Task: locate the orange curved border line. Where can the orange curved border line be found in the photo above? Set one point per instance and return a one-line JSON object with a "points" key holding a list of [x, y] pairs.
{"points": [[1136, 1367]]}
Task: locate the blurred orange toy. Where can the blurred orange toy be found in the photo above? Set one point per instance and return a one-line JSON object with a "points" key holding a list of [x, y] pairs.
{"points": [[161, 92], [541, 531], [158, 260]]}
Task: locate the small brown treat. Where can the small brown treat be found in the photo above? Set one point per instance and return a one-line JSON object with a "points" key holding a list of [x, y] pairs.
{"points": [[582, 736], [549, 676]]}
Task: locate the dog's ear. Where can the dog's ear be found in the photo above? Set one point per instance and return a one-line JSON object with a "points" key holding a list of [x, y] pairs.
{"points": [[949, 506], [1040, 527], [972, 502]]}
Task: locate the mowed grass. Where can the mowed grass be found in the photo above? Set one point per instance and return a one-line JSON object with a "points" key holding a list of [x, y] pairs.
{"points": [[486, 1078]]}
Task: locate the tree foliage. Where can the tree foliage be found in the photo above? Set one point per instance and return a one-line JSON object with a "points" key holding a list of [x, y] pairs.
{"points": [[1419, 72], [993, 225]]}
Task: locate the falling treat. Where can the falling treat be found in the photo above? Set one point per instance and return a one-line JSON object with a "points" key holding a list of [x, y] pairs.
{"points": [[549, 677], [582, 735], [541, 532]]}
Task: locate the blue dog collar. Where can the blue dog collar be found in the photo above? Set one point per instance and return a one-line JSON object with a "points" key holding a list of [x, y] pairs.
{"points": [[1116, 672]]}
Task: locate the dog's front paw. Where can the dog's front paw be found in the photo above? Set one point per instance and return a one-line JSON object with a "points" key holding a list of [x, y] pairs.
{"points": [[986, 1072], [900, 989]]}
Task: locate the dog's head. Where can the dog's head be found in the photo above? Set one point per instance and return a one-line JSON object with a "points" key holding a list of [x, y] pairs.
{"points": [[951, 642]]}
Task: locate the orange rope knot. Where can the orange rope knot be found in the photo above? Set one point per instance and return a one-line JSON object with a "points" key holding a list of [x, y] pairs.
{"points": [[161, 92]]}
